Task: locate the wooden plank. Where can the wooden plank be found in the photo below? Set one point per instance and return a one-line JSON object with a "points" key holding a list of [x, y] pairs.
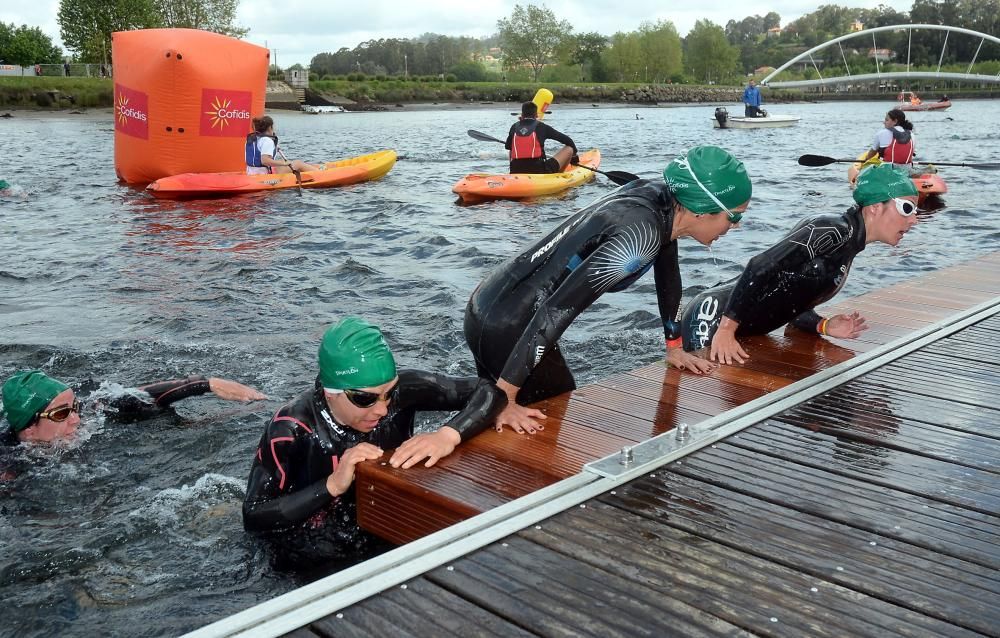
{"points": [[749, 591], [938, 586], [898, 401], [423, 608], [947, 483], [920, 521], [858, 422], [555, 595]]}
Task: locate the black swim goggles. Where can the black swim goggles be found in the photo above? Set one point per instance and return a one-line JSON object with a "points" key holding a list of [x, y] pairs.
{"points": [[365, 399], [61, 413], [904, 206]]}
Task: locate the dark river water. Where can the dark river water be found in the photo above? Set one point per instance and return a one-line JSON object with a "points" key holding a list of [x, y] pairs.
{"points": [[136, 529]]}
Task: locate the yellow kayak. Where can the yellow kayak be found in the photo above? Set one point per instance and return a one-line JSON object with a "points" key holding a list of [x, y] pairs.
{"points": [[478, 187], [339, 173]]}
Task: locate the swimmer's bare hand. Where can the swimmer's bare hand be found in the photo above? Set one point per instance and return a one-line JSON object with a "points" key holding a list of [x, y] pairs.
{"points": [[341, 479], [726, 349], [520, 419], [433, 447], [677, 358], [232, 391], [846, 326]]}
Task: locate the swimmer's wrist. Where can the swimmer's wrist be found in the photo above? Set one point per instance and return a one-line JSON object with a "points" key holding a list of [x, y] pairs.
{"points": [[728, 325]]}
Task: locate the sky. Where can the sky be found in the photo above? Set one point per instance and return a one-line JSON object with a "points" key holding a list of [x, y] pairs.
{"points": [[299, 29]]}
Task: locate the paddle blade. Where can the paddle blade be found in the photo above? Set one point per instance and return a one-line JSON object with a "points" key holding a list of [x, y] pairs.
{"points": [[621, 177], [816, 160], [483, 137]]}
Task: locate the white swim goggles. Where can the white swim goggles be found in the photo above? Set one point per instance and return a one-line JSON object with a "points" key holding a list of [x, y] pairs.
{"points": [[904, 206]]}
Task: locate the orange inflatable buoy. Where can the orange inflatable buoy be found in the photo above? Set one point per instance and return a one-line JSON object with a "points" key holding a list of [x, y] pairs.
{"points": [[184, 100]]}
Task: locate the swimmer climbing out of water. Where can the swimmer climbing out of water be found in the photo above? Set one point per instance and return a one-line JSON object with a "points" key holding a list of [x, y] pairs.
{"points": [[40, 409], [516, 316], [299, 493], [805, 269]]}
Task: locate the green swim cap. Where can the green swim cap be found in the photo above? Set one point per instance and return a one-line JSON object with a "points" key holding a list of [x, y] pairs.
{"points": [[353, 354], [26, 394], [705, 174], [881, 183], [4, 185]]}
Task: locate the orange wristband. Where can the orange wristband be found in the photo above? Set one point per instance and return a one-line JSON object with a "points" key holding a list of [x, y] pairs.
{"points": [[822, 327], [676, 342]]}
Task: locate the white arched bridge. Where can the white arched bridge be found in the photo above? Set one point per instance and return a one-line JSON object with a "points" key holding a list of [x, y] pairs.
{"points": [[879, 75]]}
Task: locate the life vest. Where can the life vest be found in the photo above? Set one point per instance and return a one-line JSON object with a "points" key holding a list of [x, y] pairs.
{"points": [[525, 144], [252, 151], [900, 149]]}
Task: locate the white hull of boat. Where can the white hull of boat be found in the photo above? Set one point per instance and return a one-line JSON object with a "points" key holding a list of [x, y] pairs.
{"points": [[771, 121], [322, 109]]}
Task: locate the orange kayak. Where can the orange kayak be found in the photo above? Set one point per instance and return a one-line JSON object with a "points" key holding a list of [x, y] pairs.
{"points": [[927, 183], [340, 173], [479, 187]]}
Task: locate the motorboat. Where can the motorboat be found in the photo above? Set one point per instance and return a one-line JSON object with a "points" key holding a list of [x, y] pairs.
{"points": [[723, 119]]}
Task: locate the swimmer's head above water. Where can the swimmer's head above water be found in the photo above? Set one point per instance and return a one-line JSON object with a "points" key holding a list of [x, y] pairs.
{"points": [[888, 200], [39, 408], [706, 181]]}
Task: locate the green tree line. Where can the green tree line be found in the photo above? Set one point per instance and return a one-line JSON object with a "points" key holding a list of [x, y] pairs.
{"points": [[537, 45]]}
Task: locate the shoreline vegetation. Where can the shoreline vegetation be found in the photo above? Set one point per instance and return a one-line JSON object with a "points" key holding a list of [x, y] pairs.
{"points": [[59, 93]]}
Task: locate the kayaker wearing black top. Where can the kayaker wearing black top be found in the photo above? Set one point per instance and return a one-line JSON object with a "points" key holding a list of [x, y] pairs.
{"points": [[526, 143], [299, 492], [41, 409], [805, 269], [517, 314]]}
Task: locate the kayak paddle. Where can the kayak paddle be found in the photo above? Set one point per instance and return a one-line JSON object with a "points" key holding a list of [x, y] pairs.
{"points": [[822, 160], [618, 177], [297, 174]]}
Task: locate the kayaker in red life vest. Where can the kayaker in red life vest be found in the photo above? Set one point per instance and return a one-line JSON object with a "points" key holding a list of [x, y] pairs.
{"points": [[261, 148], [526, 143], [894, 142]]}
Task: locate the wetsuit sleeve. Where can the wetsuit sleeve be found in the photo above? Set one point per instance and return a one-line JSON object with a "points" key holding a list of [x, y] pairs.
{"points": [[807, 321], [510, 137], [552, 134], [630, 248], [166, 392], [479, 401], [760, 282], [267, 507], [667, 272]]}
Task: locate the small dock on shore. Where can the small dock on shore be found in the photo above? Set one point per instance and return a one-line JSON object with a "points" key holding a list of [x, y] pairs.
{"points": [[823, 489]]}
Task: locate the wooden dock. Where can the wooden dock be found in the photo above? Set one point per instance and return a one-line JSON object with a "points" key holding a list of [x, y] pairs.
{"points": [[594, 421], [848, 489]]}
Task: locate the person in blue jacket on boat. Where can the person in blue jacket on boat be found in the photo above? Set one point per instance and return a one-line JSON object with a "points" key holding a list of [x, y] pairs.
{"points": [[751, 101], [262, 148], [808, 267]]}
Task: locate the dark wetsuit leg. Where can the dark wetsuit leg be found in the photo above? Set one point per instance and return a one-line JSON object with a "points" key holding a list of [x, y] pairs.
{"points": [[491, 345]]}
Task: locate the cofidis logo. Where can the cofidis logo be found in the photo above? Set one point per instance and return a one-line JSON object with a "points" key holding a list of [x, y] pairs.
{"points": [[225, 113], [131, 112]]}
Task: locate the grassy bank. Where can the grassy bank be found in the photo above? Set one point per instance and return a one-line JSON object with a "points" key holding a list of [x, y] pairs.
{"points": [[55, 92]]}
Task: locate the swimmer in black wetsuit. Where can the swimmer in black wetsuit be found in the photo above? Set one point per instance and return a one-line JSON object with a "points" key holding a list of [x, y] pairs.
{"points": [[298, 494], [517, 314], [526, 143], [41, 409], [805, 269]]}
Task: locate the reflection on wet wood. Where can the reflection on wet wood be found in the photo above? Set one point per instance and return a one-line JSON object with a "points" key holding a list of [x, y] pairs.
{"points": [[870, 510], [597, 420]]}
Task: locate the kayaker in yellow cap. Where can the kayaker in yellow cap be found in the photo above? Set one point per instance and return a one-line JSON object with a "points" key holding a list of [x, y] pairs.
{"points": [[526, 143]]}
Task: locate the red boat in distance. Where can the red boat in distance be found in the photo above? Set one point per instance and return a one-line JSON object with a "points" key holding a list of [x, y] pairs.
{"points": [[908, 101]]}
